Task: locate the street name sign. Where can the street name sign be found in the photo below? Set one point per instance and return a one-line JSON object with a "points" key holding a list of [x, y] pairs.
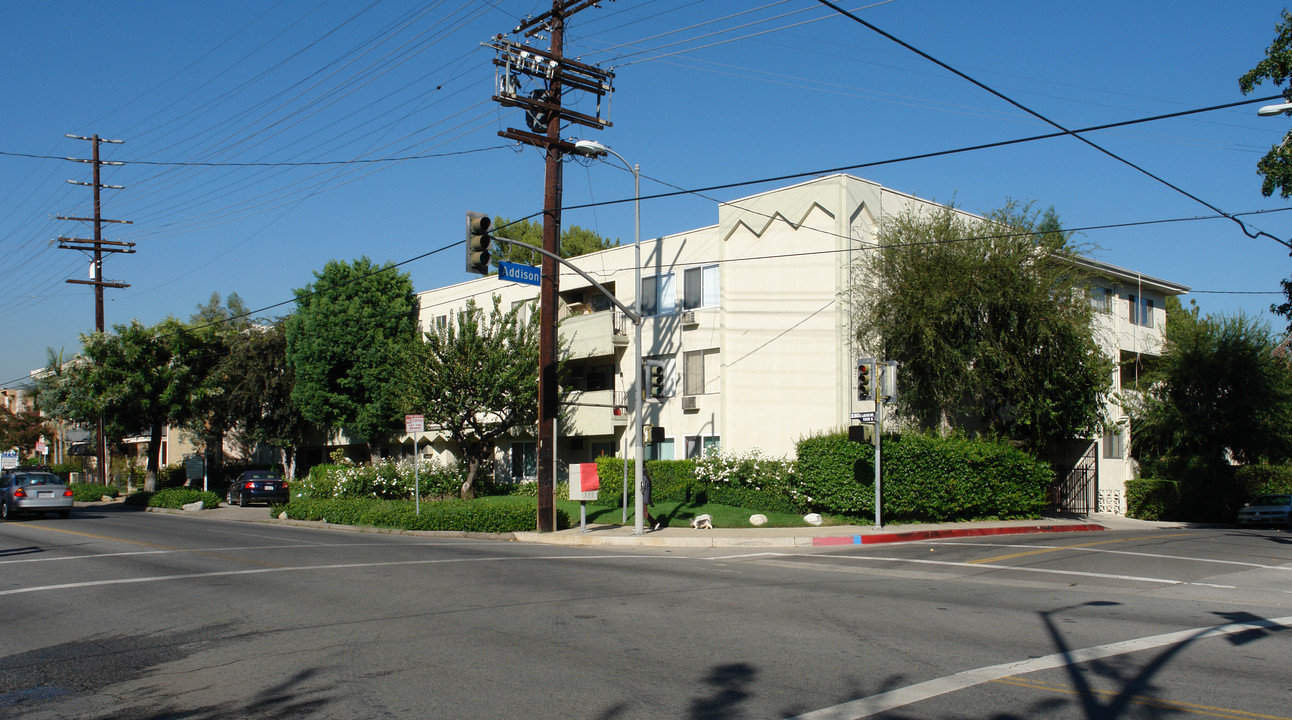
{"points": [[524, 274]]}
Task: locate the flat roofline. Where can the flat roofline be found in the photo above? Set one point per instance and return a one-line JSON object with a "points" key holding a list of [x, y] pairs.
{"points": [[1131, 276]]}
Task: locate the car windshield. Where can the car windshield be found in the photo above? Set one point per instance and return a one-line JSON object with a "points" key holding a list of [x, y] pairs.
{"points": [[1272, 500]]}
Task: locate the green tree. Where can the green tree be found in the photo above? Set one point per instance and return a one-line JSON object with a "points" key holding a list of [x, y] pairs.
{"points": [[989, 322], [346, 341], [214, 327], [1217, 393], [478, 381], [258, 384], [21, 430], [138, 378], [1276, 166], [575, 241]]}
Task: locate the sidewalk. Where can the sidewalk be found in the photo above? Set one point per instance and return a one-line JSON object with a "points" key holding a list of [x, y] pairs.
{"points": [[685, 536], [623, 536]]}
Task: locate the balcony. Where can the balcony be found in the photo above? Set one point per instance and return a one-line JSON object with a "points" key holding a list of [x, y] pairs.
{"points": [[594, 334], [596, 412]]}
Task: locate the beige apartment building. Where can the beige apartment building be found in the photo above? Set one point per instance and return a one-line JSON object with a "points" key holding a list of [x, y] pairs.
{"points": [[751, 319]]}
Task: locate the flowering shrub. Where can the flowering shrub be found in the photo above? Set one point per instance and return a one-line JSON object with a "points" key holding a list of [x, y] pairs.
{"points": [[385, 480], [752, 481]]}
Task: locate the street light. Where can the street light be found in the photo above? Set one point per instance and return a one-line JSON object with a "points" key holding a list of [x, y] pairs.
{"points": [[594, 149], [1279, 109]]}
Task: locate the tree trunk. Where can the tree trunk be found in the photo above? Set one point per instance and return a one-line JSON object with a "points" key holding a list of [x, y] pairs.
{"points": [[469, 485], [288, 456], [154, 456]]}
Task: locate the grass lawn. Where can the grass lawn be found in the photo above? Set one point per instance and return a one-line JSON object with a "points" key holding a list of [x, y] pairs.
{"points": [[679, 514]]}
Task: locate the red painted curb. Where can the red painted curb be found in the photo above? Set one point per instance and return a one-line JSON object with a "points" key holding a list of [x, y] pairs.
{"points": [[914, 535]]}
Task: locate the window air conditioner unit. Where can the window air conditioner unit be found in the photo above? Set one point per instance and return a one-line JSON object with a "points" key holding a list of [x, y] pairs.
{"points": [[688, 318], [689, 402]]}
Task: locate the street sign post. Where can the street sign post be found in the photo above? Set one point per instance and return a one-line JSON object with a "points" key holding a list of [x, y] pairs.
{"points": [[414, 424]]}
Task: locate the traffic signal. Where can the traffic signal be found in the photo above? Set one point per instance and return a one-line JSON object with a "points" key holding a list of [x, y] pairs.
{"points": [[865, 378], [654, 379], [478, 242]]}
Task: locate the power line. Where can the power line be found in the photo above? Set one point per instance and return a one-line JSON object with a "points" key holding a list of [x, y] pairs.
{"points": [[1048, 121]]}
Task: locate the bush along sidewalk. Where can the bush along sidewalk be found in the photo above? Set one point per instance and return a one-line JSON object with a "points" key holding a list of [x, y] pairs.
{"points": [[486, 515]]}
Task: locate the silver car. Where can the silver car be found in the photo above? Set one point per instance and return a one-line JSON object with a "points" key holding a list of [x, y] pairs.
{"points": [[34, 492], [1267, 510]]}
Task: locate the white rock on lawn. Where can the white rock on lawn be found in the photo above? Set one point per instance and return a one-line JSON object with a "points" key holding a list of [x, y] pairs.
{"points": [[812, 519], [193, 506], [758, 520]]}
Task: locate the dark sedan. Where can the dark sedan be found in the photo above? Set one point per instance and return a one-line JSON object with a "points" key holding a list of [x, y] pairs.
{"points": [[257, 486], [33, 492]]}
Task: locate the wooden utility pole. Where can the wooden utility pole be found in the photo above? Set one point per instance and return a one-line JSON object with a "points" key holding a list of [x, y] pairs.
{"points": [[97, 246], [518, 64]]}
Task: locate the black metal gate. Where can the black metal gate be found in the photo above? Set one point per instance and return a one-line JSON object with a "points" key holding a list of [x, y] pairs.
{"points": [[1075, 483]]}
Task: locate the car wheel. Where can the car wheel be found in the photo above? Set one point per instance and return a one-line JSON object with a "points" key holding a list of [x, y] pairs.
{"points": [[4, 511], [242, 500]]}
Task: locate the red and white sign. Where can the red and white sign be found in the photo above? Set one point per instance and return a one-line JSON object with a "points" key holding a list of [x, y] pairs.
{"points": [[414, 424], [584, 482]]}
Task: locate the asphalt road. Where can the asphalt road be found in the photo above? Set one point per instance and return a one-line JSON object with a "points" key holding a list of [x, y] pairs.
{"points": [[121, 614]]}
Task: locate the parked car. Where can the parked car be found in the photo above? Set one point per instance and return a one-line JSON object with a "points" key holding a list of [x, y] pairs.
{"points": [[1267, 510], [257, 486], [29, 491]]}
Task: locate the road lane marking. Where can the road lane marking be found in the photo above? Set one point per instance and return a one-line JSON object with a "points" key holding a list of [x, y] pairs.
{"points": [[1046, 571], [883, 702], [1132, 553], [1146, 700], [306, 568], [1055, 548]]}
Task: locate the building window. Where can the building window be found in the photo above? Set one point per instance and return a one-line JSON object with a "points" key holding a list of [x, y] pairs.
{"points": [[1101, 299], [699, 372], [697, 446], [524, 460], [700, 287], [658, 295], [1113, 448], [660, 450], [1140, 310]]}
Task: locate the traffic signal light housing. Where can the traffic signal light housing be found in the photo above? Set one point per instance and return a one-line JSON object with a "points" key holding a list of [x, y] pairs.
{"points": [[478, 242], [654, 379], [865, 378]]}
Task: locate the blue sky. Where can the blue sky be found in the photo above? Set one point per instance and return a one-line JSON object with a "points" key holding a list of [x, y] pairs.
{"points": [[220, 103]]}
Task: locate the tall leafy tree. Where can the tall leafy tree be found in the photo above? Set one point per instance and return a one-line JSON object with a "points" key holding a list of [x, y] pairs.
{"points": [[1218, 393], [1276, 166], [21, 430], [575, 241], [258, 384], [214, 327], [139, 378], [478, 381], [989, 322], [352, 329]]}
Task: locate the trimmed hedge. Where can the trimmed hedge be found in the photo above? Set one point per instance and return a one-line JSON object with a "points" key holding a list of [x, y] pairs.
{"points": [[492, 516], [92, 492], [956, 478], [926, 478], [1263, 479], [173, 498], [837, 475], [1152, 499]]}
